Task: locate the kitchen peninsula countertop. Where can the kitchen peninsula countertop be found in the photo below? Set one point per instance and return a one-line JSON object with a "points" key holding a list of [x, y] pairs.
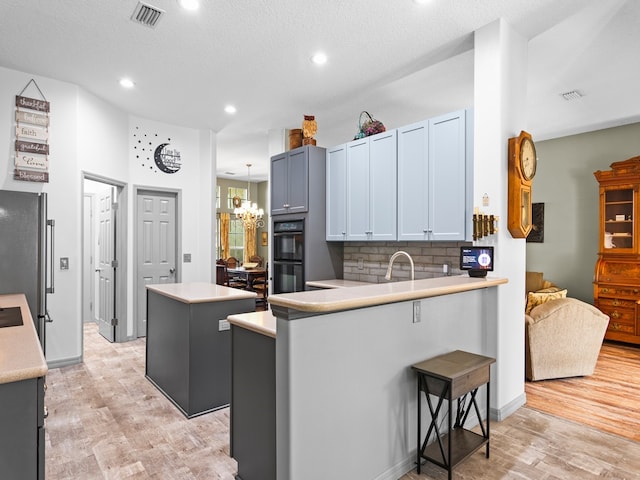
{"points": [[262, 322], [22, 356], [336, 283], [200, 292], [338, 299]]}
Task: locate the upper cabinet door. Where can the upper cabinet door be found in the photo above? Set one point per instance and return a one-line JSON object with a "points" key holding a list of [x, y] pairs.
{"points": [[358, 221], [447, 176], [298, 181], [413, 181], [290, 182], [279, 184], [383, 154], [337, 193]]}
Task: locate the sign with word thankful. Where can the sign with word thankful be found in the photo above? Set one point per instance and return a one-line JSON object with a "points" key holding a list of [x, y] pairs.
{"points": [[32, 136]]}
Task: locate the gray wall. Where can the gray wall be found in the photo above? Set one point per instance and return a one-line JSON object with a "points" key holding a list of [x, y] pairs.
{"points": [[564, 182]]}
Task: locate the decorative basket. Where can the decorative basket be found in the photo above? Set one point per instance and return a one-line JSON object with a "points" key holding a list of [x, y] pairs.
{"points": [[367, 125]]}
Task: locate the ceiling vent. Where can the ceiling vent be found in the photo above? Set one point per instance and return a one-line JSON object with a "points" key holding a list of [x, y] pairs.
{"points": [[572, 95], [147, 15]]}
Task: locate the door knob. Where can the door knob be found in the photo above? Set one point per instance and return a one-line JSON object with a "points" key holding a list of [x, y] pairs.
{"points": [[172, 271]]}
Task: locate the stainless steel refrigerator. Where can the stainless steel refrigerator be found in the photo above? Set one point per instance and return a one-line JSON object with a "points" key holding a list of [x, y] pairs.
{"points": [[26, 252]]}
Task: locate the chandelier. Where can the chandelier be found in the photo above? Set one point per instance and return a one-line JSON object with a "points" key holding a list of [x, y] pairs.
{"points": [[248, 212]]}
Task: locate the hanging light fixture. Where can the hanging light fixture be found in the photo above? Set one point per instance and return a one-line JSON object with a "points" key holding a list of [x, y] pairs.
{"points": [[249, 212]]}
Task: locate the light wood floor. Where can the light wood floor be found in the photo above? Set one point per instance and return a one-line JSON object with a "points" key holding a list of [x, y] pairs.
{"points": [[106, 421], [608, 400]]}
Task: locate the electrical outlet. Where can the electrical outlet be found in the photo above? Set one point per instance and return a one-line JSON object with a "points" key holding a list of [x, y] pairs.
{"points": [[223, 325], [416, 312], [186, 258], [64, 263]]}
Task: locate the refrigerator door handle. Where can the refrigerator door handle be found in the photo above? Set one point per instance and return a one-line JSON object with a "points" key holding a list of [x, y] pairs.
{"points": [[52, 226], [47, 318]]}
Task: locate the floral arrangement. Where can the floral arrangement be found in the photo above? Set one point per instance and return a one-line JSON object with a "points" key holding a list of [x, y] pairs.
{"points": [[369, 127]]}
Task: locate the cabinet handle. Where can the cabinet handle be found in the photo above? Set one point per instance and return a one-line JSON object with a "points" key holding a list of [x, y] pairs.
{"points": [[615, 303], [286, 205], [615, 326], [615, 314], [605, 290], [635, 290]]}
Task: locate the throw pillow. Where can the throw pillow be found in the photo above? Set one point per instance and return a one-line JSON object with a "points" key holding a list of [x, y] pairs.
{"points": [[542, 296]]}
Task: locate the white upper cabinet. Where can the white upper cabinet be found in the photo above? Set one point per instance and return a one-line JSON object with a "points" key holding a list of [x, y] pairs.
{"points": [[337, 193], [408, 184], [371, 188], [432, 179]]}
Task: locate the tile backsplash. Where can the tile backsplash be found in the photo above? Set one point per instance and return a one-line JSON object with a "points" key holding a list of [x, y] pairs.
{"points": [[367, 261]]}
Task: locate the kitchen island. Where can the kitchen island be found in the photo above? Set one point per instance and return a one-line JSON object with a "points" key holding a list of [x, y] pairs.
{"points": [[188, 350], [345, 394], [253, 395], [22, 371]]}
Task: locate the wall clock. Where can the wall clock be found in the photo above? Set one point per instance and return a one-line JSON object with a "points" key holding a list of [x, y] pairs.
{"points": [[522, 168]]}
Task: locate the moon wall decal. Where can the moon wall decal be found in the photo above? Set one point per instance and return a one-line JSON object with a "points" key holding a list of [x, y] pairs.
{"points": [[168, 161]]}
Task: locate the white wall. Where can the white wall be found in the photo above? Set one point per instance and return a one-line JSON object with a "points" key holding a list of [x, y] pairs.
{"points": [[500, 87], [89, 135]]}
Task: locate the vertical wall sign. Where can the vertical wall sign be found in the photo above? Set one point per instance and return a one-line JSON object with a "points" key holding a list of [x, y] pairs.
{"points": [[32, 137]]}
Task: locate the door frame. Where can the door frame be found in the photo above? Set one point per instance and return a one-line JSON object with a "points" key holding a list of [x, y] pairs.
{"points": [[120, 309], [177, 194]]}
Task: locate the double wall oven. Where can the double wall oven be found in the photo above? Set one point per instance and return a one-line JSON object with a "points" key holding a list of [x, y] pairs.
{"points": [[288, 256]]}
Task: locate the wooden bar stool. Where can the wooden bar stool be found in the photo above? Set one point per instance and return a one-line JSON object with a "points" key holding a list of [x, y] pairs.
{"points": [[449, 377]]}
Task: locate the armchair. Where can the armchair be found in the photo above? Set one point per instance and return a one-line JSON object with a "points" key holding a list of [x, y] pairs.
{"points": [[563, 339]]}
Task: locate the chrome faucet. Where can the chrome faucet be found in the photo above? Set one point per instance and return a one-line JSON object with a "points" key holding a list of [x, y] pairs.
{"points": [[391, 260]]}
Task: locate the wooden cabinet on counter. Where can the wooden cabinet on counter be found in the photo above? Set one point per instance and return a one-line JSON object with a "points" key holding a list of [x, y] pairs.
{"points": [[617, 271]]}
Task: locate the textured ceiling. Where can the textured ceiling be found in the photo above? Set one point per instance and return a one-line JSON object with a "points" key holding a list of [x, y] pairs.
{"points": [[399, 60]]}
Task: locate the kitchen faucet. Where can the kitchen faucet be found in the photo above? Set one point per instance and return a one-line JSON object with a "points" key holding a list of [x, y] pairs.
{"points": [[391, 260]]}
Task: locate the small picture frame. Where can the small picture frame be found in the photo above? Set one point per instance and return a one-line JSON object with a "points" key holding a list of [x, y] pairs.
{"points": [[264, 238]]}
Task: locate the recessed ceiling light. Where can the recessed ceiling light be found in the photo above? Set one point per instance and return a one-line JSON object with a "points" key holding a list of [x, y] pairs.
{"points": [[230, 109], [319, 58], [126, 83], [189, 4]]}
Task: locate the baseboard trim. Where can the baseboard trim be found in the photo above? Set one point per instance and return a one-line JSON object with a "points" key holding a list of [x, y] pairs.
{"points": [[65, 362], [499, 414]]}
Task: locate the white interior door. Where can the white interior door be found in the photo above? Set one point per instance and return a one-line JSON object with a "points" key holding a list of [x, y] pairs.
{"points": [[88, 314], [156, 246], [106, 264]]}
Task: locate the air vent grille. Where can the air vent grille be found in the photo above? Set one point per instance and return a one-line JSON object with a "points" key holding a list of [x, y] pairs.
{"points": [[147, 15], [572, 95]]}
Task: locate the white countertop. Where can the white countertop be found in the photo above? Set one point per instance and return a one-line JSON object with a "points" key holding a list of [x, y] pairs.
{"points": [[337, 299], [200, 292], [21, 356], [260, 322], [336, 283]]}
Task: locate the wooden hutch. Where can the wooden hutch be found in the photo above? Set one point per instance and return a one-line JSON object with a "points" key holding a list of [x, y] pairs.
{"points": [[617, 273]]}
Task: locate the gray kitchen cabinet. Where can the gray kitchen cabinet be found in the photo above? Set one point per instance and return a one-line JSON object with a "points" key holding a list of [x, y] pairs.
{"points": [[434, 178], [22, 434], [290, 180], [371, 188], [337, 193]]}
